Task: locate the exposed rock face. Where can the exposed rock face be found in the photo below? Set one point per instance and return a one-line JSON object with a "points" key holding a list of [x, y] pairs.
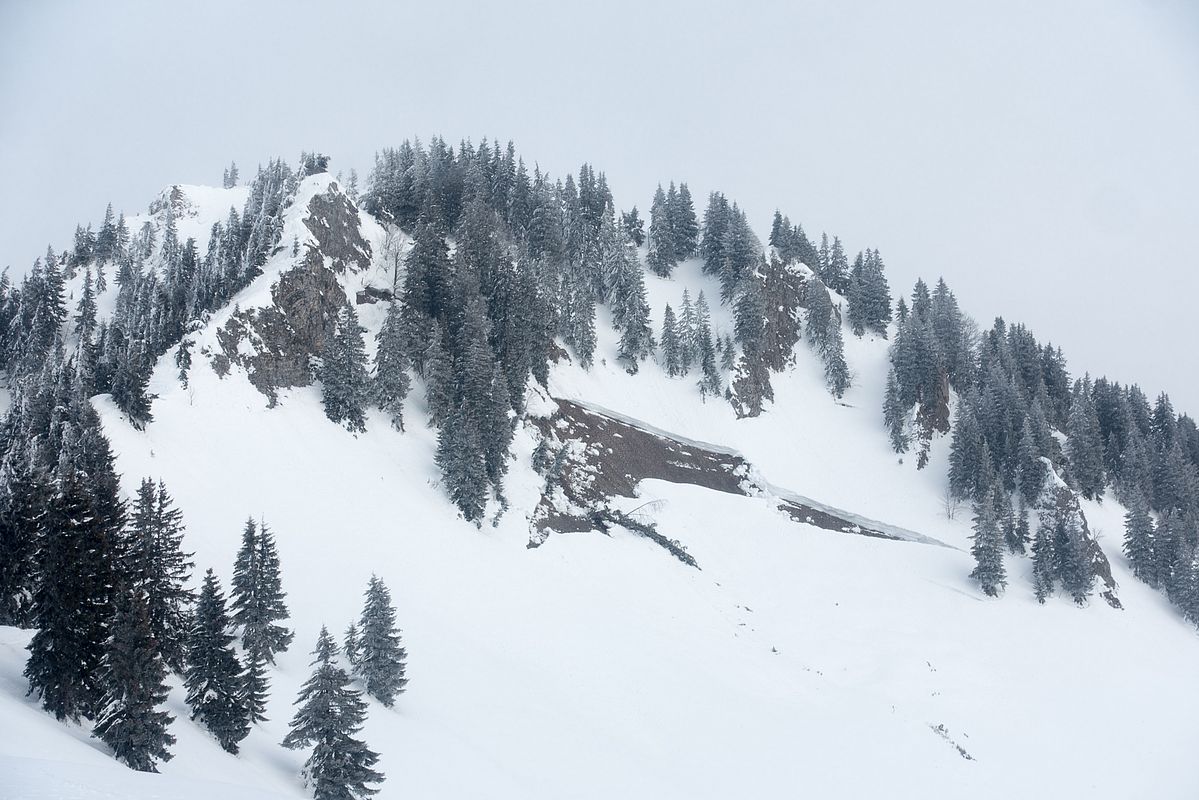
{"points": [[333, 220], [276, 344], [589, 457]]}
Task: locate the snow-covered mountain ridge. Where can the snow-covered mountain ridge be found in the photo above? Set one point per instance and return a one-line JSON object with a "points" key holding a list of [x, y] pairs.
{"points": [[793, 659]]}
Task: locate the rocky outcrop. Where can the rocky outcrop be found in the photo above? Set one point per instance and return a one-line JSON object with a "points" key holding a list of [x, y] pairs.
{"points": [[276, 344], [588, 457], [333, 220]]}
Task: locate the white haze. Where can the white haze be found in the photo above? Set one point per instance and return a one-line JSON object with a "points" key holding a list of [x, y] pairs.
{"points": [[1039, 155]]}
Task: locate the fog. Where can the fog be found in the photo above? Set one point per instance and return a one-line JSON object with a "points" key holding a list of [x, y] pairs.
{"points": [[1041, 156]]}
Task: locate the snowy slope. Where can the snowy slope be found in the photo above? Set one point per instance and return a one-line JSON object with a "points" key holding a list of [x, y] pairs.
{"points": [[796, 662]]}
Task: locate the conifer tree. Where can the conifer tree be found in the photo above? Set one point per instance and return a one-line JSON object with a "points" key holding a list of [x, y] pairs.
{"points": [[130, 383], [633, 226], [709, 382], [391, 382], [426, 291], [670, 343], [183, 360], [257, 595], [1138, 539], [1043, 558], [820, 311], [1085, 444], [21, 520], [630, 309], [85, 311], [684, 225], [895, 415], [1071, 560], [256, 685], [661, 257], [379, 656], [987, 547], [1166, 544], [460, 459], [728, 353], [130, 718], [1031, 470], [159, 570], [966, 450], [345, 385], [340, 766], [214, 677], [1023, 538], [72, 602], [686, 334], [836, 371], [836, 276], [439, 378], [352, 648], [580, 321]]}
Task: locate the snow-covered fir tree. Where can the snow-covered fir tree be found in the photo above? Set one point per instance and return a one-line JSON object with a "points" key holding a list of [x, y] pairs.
{"points": [[660, 239], [378, 655], [157, 567], [331, 714], [257, 596], [76, 565], [987, 548], [345, 383], [670, 343], [1139, 533], [130, 717], [214, 676], [391, 382]]}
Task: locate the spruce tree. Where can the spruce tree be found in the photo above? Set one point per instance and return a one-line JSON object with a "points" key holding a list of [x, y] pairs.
{"points": [[686, 335], [340, 766], [1043, 558], [379, 656], [836, 371], [345, 384], [661, 256], [684, 225], [439, 378], [21, 519], [352, 648], [257, 595], [670, 343], [391, 382], [709, 382], [895, 415], [1022, 537], [633, 226], [130, 719], [72, 602], [214, 677], [1071, 559], [728, 353], [256, 686], [1031, 470], [966, 450], [183, 360], [987, 547], [1085, 443], [1139, 539], [630, 309], [157, 567], [85, 316]]}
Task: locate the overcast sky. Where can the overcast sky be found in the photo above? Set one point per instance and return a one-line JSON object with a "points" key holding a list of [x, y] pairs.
{"points": [[1043, 156]]}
